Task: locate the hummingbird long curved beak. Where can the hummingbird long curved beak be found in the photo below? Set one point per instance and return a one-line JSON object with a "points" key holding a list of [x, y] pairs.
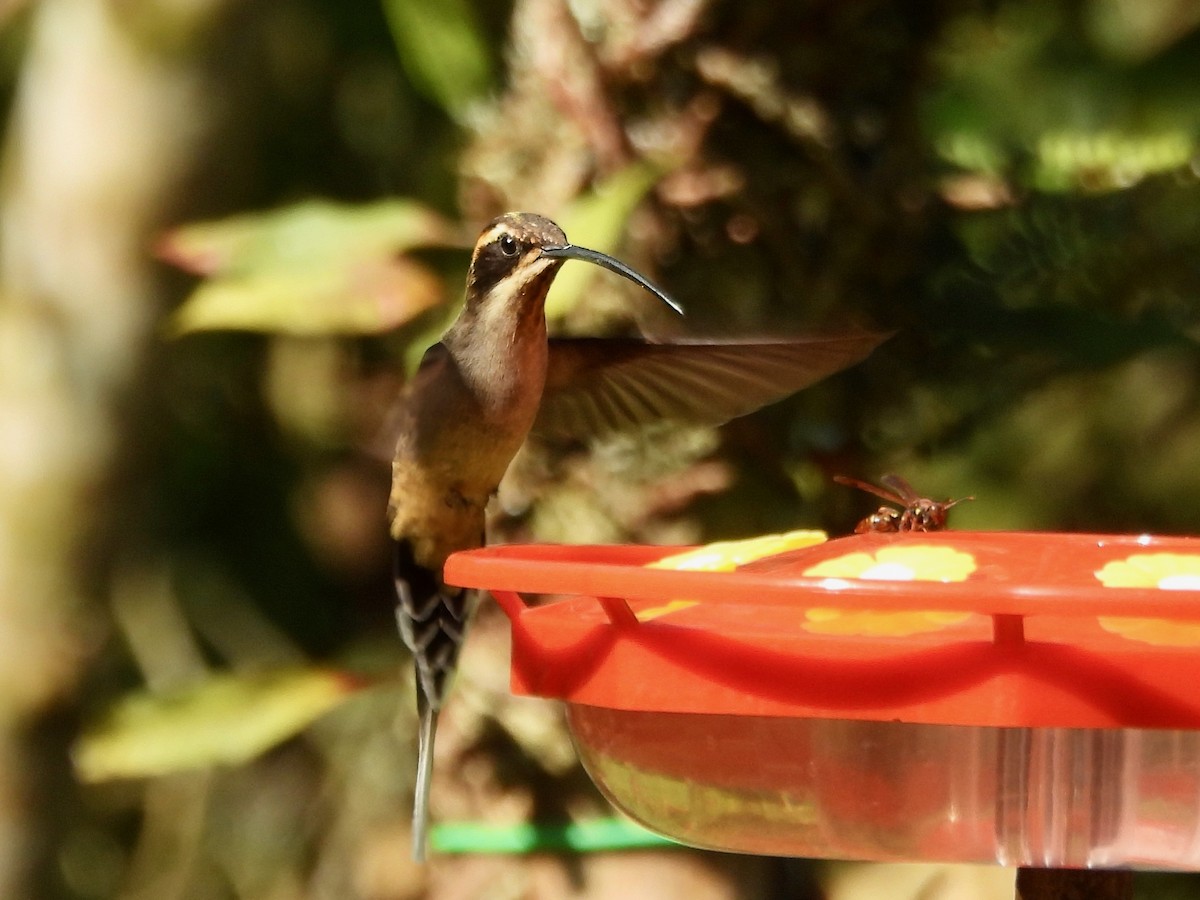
{"points": [[572, 251]]}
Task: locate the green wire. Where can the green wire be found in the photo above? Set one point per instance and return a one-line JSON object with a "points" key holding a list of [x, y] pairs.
{"points": [[592, 836]]}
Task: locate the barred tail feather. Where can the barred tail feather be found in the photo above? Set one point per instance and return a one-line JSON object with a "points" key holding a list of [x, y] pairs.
{"points": [[432, 622]]}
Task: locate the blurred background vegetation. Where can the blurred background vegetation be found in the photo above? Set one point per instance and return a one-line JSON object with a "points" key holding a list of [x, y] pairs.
{"points": [[228, 229]]}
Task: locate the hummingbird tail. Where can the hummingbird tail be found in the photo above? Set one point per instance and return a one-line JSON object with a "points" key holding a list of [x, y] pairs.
{"points": [[432, 619], [420, 822]]}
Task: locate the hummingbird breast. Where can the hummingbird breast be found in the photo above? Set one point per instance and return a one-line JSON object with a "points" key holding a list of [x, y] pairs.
{"points": [[468, 411]]}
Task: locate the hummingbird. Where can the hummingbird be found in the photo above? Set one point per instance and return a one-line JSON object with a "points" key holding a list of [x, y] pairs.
{"points": [[495, 378]]}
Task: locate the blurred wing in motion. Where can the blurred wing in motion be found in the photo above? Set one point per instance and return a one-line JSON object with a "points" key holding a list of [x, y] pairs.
{"points": [[597, 386]]}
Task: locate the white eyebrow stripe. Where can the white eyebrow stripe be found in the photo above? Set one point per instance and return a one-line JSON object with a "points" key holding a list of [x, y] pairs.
{"points": [[492, 233]]}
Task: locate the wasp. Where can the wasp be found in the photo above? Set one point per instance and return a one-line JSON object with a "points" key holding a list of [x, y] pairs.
{"points": [[916, 513]]}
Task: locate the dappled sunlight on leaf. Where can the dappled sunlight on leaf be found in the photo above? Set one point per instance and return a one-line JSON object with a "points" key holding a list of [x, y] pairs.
{"points": [[1106, 160], [1025, 93], [227, 719], [310, 235], [362, 298], [313, 268]]}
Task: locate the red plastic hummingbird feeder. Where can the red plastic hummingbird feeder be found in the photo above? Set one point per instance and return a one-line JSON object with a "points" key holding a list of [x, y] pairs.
{"points": [[1028, 699]]}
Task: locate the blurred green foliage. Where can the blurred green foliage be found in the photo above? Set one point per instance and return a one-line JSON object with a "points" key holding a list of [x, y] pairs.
{"points": [[312, 268], [443, 50], [228, 720], [1012, 185]]}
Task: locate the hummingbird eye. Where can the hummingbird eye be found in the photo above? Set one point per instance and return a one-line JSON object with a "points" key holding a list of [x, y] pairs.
{"points": [[508, 245]]}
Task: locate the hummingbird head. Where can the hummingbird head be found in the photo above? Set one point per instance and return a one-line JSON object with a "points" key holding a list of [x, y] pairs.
{"points": [[518, 254]]}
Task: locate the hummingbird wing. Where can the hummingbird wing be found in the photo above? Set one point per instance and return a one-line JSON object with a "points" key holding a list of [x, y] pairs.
{"points": [[597, 386]]}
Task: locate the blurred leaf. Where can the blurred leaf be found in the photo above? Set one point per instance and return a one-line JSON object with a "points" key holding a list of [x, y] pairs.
{"points": [[227, 719], [597, 220], [442, 49], [1137, 29], [366, 298], [311, 235], [314, 268], [1025, 92], [1107, 160]]}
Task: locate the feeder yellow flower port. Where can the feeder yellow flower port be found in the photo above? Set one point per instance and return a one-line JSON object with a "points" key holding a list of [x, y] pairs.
{"points": [[917, 562], [1164, 571]]}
